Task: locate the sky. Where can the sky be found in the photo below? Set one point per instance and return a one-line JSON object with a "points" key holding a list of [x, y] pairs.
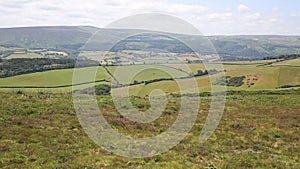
{"points": [[211, 17]]}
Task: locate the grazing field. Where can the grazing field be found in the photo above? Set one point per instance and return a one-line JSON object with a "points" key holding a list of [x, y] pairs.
{"points": [[51, 52], [189, 68], [50, 78], [145, 72], [65, 76], [256, 131], [251, 62], [289, 76], [24, 55], [267, 77], [169, 86], [293, 62], [258, 76]]}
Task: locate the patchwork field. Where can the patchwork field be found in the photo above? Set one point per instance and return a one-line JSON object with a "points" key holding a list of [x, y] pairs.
{"points": [[259, 127], [258, 76]]}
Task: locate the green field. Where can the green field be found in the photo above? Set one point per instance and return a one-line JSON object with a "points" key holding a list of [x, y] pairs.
{"points": [[289, 76], [258, 76], [50, 78], [189, 68], [266, 78], [51, 52], [24, 55], [294, 62], [65, 76], [145, 72], [251, 62]]}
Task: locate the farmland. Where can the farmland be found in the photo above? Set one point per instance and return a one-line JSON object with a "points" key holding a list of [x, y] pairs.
{"points": [[215, 85], [49, 78], [294, 62], [259, 127], [259, 76], [27, 55]]}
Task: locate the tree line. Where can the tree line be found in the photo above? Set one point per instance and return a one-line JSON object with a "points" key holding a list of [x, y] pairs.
{"points": [[18, 66], [285, 57]]}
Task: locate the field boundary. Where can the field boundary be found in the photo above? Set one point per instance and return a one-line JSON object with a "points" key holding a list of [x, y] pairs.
{"points": [[51, 87]]}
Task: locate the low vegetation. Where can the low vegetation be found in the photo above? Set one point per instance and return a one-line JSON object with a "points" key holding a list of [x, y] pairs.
{"points": [[256, 131], [101, 89], [230, 81]]}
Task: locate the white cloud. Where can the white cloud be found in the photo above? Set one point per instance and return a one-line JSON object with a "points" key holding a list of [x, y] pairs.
{"points": [[243, 8], [275, 9], [102, 12]]}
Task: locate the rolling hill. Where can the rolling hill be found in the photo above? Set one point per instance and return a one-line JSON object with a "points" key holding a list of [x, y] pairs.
{"points": [[72, 38], [61, 37]]}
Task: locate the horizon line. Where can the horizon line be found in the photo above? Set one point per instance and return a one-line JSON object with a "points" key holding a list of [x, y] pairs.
{"points": [[242, 34]]}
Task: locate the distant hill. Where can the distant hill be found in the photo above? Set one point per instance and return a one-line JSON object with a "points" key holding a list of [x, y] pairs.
{"points": [[60, 37], [72, 38], [255, 46]]}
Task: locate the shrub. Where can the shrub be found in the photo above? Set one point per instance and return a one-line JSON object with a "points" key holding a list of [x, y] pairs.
{"points": [[102, 89], [230, 81], [236, 81]]}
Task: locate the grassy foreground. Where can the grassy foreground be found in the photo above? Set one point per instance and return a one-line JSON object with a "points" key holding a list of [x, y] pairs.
{"points": [[256, 131]]}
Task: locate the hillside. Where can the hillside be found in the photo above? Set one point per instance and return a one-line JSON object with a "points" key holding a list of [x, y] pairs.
{"points": [[256, 131], [72, 38], [60, 37], [256, 46]]}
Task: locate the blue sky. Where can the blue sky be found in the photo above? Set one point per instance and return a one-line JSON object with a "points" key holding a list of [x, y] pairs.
{"points": [[211, 17]]}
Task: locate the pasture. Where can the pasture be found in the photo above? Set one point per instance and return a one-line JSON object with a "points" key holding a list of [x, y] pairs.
{"points": [[24, 55], [293, 62], [50, 78], [269, 76]]}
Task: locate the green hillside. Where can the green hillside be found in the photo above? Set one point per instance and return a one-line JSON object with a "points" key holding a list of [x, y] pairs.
{"points": [[59, 37], [72, 38], [255, 46]]}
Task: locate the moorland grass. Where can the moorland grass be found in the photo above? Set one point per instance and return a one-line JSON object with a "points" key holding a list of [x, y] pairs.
{"points": [[41, 130]]}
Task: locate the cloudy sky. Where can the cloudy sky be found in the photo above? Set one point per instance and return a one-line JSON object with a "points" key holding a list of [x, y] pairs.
{"points": [[211, 17]]}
